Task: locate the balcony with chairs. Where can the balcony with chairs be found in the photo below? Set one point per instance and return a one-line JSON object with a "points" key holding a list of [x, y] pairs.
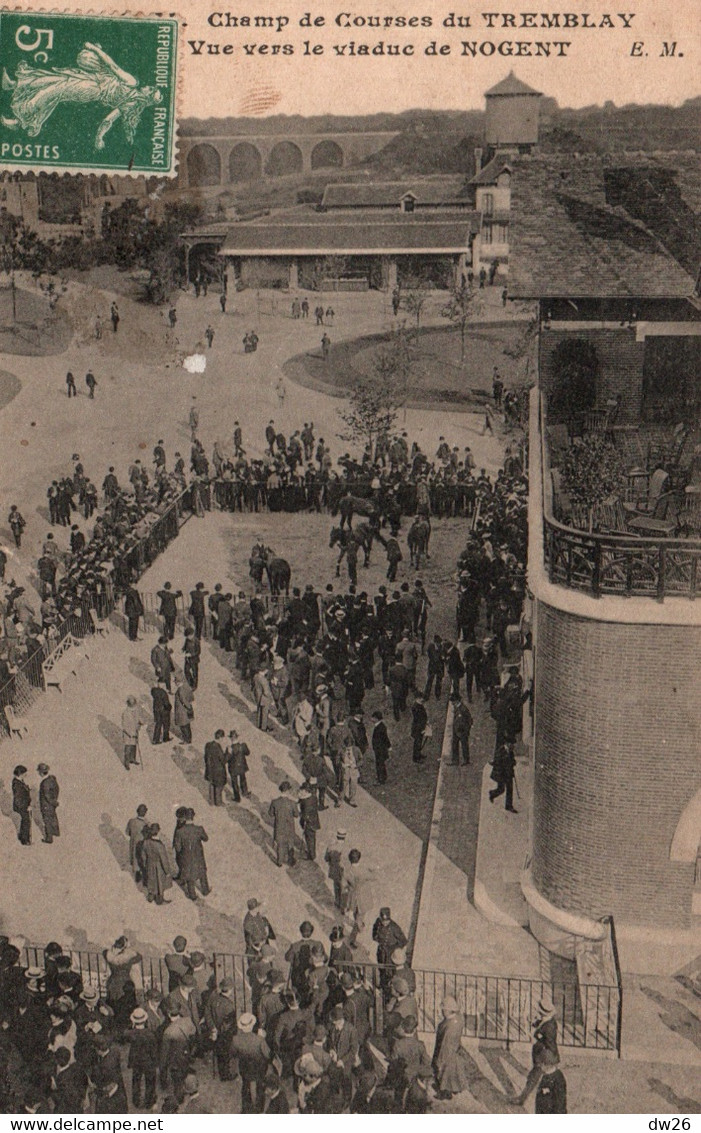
{"points": [[644, 538]]}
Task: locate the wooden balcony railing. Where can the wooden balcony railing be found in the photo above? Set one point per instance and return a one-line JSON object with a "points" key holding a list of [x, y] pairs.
{"points": [[616, 564]]}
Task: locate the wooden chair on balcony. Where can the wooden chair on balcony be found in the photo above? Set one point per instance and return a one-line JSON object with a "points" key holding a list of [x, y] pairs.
{"points": [[628, 441], [645, 490], [671, 453], [602, 420], [562, 504], [664, 520], [611, 517]]}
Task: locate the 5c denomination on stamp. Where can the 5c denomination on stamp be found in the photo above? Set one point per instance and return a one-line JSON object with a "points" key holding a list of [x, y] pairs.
{"points": [[88, 93]]}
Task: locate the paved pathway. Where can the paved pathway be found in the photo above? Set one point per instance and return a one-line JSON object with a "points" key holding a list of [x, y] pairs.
{"points": [[80, 890]]}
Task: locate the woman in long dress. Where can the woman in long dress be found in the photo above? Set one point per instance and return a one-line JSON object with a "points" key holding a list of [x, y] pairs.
{"points": [[156, 867], [124, 968], [37, 91], [449, 1061]]}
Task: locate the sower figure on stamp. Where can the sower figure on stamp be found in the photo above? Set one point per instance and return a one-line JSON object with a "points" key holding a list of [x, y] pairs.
{"points": [[95, 77]]}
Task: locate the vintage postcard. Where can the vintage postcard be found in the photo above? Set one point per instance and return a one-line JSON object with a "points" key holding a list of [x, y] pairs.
{"points": [[350, 561]]}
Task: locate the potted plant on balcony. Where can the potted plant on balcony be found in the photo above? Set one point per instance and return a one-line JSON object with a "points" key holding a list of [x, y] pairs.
{"points": [[593, 473]]}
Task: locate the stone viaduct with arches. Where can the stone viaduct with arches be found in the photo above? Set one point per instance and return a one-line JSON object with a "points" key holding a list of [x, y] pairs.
{"points": [[207, 162]]}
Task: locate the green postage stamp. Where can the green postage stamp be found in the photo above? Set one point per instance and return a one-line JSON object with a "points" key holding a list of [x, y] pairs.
{"points": [[88, 93]]}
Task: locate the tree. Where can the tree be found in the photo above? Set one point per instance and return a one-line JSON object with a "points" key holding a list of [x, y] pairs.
{"points": [[524, 349], [413, 300], [163, 254], [132, 238], [592, 471], [376, 398], [465, 301], [21, 249]]}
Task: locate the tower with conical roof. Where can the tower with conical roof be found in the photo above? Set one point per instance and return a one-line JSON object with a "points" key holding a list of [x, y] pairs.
{"points": [[512, 116]]}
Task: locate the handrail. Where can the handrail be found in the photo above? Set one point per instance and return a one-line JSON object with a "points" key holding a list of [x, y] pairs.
{"points": [[26, 683], [493, 1008], [622, 565]]}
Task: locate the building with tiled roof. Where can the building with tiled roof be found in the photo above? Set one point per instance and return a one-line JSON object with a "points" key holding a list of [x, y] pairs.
{"points": [[603, 275], [567, 238], [443, 192], [513, 87], [379, 248]]}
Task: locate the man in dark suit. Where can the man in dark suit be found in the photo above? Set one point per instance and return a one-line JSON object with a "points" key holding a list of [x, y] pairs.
{"points": [[225, 616], [213, 604], [220, 1020], [69, 1083], [169, 608], [161, 713], [238, 766], [162, 661], [388, 936], [309, 818], [188, 841], [112, 1097], [342, 1044], [22, 804], [436, 667], [455, 667], [253, 1056], [398, 681], [462, 725], [419, 722], [381, 746], [503, 772], [48, 802], [275, 1097], [192, 648], [142, 1059], [178, 963], [196, 611], [283, 810], [551, 1094], [133, 609], [215, 770]]}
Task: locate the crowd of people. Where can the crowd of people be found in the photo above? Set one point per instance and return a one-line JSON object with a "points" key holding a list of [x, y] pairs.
{"points": [[95, 569], [313, 1039], [317, 1036], [298, 473], [341, 670]]}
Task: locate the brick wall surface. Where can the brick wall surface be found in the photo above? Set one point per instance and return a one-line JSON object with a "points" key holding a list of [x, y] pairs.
{"points": [[617, 758], [620, 365]]}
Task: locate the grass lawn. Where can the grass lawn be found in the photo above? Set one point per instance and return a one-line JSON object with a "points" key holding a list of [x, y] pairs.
{"points": [[438, 374], [36, 331]]}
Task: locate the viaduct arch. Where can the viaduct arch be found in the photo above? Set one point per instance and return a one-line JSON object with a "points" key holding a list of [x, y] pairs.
{"points": [[208, 162]]}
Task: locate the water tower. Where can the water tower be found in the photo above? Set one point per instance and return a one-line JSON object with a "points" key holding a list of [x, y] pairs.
{"points": [[512, 116]]}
